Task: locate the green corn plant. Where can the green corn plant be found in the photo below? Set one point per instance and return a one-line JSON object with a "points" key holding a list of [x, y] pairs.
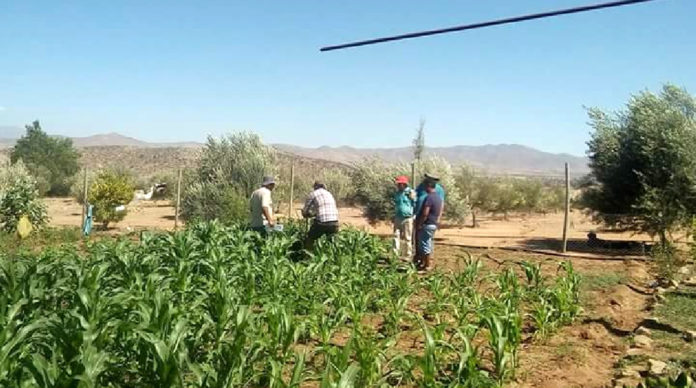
{"points": [[542, 314], [500, 344], [532, 271]]}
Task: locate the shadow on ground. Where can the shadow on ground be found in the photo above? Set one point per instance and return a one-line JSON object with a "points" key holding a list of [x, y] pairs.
{"points": [[613, 248]]}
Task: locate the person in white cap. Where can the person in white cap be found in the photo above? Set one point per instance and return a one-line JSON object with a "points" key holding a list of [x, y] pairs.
{"points": [[261, 207]]}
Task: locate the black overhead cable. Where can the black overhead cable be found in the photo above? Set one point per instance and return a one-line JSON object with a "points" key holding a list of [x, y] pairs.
{"points": [[515, 19]]}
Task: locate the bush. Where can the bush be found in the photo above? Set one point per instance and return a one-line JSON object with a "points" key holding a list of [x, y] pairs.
{"points": [[373, 188], [51, 160], [110, 190], [228, 171], [19, 196]]}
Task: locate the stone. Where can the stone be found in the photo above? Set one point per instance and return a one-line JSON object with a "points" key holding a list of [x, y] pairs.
{"points": [[651, 321], [684, 270], [633, 352], [660, 291], [656, 367], [673, 284], [642, 341], [690, 335], [690, 282], [630, 373], [660, 297], [642, 330]]}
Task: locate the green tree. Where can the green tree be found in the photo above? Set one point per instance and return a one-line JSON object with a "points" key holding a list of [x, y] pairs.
{"points": [[228, 171], [110, 190], [51, 160], [19, 197], [419, 142], [643, 163]]}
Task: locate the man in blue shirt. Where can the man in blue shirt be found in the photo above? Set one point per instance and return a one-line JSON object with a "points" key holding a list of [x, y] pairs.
{"points": [[404, 203], [427, 221], [421, 192]]}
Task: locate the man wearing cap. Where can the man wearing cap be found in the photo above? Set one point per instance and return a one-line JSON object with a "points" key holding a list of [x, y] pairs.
{"points": [[427, 221], [404, 202], [422, 194], [261, 206], [322, 206]]}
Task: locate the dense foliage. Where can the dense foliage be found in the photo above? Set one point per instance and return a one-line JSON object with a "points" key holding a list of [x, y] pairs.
{"points": [[373, 187], [228, 171], [110, 190], [215, 306], [502, 195], [19, 197], [51, 160], [643, 163]]}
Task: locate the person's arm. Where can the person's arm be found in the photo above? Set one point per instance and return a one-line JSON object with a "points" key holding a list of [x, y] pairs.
{"points": [[423, 215], [306, 211], [267, 214]]}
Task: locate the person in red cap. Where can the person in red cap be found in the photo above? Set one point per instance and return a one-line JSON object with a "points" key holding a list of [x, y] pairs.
{"points": [[404, 203]]}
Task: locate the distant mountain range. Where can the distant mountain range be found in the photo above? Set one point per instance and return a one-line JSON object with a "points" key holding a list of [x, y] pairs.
{"points": [[494, 159], [8, 136]]}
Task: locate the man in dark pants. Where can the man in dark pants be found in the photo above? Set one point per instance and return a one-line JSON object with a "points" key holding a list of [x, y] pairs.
{"points": [[322, 206]]}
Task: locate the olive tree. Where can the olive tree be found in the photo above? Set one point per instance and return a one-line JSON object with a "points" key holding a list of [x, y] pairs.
{"points": [[51, 160], [228, 171], [643, 163]]}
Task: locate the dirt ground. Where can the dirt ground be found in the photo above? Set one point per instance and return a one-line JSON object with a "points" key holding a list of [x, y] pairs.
{"points": [[590, 352], [534, 231]]}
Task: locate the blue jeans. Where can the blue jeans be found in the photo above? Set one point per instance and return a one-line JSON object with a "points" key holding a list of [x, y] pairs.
{"points": [[425, 239]]}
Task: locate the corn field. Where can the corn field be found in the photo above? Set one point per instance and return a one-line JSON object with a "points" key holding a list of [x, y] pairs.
{"points": [[215, 306]]}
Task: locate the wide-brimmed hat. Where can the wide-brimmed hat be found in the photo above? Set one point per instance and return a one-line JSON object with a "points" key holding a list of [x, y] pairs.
{"points": [[268, 180], [401, 179], [432, 177]]}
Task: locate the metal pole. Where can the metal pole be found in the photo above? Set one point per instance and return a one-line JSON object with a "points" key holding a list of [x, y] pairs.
{"points": [[567, 209], [292, 187], [84, 198], [178, 200]]}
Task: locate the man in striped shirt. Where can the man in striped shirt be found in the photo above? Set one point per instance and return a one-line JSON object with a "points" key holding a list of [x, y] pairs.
{"points": [[322, 206]]}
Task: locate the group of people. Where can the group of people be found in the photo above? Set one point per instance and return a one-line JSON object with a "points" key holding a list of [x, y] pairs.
{"points": [[320, 205], [417, 215]]}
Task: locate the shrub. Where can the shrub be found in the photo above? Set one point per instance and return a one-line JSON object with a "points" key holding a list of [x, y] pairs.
{"points": [[373, 187], [51, 160], [19, 196], [110, 190], [228, 171]]}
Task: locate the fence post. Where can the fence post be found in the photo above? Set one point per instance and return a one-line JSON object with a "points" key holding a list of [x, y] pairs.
{"points": [[413, 173], [292, 187], [178, 200], [567, 209], [84, 199]]}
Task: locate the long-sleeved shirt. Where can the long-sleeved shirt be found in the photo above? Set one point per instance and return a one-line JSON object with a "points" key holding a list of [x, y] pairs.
{"points": [[322, 205]]}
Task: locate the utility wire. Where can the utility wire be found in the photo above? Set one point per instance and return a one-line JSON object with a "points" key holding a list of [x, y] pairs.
{"points": [[515, 19]]}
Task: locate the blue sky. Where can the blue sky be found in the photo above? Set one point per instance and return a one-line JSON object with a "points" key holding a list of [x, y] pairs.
{"points": [[176, 71]]}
